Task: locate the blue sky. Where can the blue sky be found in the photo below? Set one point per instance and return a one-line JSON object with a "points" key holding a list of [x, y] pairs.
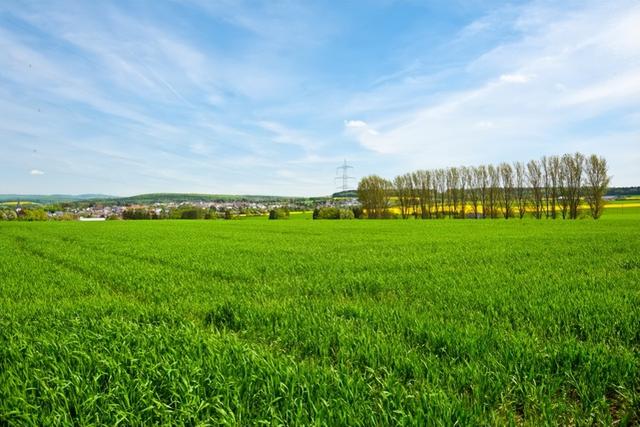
{"points": [[269, 97]]}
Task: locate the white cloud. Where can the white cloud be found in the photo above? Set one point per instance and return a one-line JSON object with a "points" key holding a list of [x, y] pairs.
{"points": [[368, 136], [514, 78], [485, 124], [36, 172], [355, 124], [540, 117], [360, 127]]}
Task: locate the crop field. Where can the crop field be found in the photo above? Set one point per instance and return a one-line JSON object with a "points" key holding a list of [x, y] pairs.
{"points": [[305, 322]]}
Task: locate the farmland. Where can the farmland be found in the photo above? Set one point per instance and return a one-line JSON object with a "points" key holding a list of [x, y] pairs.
{"points": [[321, 322]]}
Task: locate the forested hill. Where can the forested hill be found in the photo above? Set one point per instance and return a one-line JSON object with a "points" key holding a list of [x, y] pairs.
{"points": [[623, 191], [195, 197], [142, 199], [52, 198], [347, 193]]}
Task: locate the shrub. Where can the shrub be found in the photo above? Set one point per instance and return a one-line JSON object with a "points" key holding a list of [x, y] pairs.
{"points": [[279, 213], [358, 213], [211, 214], [36, 214], [346, 214], [328, 213], [136, 214], [332, 213], [229, 214], [188, 212], [192, 214]]}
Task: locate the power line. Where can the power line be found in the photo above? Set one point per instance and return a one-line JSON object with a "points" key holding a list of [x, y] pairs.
{"points": [[342, 174]]}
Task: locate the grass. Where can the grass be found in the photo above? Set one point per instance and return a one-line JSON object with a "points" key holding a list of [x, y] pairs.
{"points": [[321, 322]]}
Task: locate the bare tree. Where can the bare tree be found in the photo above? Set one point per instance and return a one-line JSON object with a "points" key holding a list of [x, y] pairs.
{"points": [[415, 196], [596, 183], [494, 190], [426, 196], [534, 175], [464, 173], [555, 171], [483, 185], [441, 175], [374, 192], [506, 193], [435, 187], [473, 189], [563, 189], [574, 166], [401, 185], [429, 194], [453, 185], [546, 185], [520, 188], [419, 196]]}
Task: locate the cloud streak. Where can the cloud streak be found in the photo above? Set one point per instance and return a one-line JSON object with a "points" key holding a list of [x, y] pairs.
{"points": [[557, 96], [262, 96]]}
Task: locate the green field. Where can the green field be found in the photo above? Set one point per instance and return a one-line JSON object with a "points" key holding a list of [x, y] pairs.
{"points": [[321, 322]]}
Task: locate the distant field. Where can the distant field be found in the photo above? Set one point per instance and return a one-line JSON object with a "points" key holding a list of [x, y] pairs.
{"points": [[10, 203], [609, 206], [321, 322], [628, 201]]}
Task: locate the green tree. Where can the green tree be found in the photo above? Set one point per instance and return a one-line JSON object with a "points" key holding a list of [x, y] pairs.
{"points": [[34, 214], [374, 194]]}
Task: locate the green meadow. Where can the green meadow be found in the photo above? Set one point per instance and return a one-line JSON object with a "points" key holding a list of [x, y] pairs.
{"points": [[302, 322]]}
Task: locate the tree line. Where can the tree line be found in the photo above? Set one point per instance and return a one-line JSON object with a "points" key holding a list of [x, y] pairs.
{"points": [[23, 214], [184, 212], [551, 187]]}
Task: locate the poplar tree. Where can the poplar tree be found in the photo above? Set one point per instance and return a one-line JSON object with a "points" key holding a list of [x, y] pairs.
{"points": [[596, 184]]}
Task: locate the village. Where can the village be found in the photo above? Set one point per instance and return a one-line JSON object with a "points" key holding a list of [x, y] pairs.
{"points": [[200, 209]]}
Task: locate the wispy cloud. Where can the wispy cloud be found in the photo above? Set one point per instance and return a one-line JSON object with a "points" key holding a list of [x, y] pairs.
{"points": [[283, 135], [248, 96], [143, 86], [556, 97], [360, 128], [514, 78]]}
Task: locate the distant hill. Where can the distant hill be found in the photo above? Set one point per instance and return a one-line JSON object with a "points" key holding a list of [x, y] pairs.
{"points": [[348, 193], [623, 191], [144, 199], [195, 197], [51, 198]]}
